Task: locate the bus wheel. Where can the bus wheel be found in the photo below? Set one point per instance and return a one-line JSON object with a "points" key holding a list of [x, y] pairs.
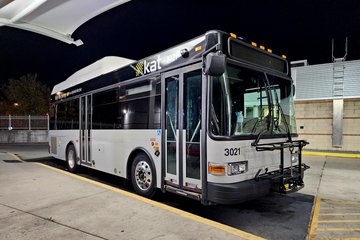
{"points": [[71, 159], [143, 176]]}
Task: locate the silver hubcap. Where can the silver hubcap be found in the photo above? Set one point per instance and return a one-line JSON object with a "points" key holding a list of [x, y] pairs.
{"points": [[143, 175], [71, 158]]}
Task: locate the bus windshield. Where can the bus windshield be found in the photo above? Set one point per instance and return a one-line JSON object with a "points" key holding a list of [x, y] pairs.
{"points": [[246, 102]]}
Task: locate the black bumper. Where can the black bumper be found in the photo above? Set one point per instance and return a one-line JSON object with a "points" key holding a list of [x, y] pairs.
{"points": [[233, 193], [287, 180]]}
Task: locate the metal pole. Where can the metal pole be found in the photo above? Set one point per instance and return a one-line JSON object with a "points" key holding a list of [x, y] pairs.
{"points": [[9, 122], [29, 122], [48, 122]]}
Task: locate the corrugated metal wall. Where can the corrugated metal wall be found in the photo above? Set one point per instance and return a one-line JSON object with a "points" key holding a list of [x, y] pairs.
{"points": [[352, 79], [317, 81]]}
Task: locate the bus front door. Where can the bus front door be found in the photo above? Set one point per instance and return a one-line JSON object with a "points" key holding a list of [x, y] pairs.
{"points": [[182, 126], [85, 134]]}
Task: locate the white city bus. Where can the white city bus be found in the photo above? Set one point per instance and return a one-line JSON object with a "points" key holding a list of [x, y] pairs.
{"points": [[211, 119]]}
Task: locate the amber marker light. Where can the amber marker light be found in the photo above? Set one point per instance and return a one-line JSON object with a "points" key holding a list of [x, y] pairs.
{"points": [[269, 50], [254, 44], [216, 169], [198, 48], [233, 35], [283, 56], [262, 47]]}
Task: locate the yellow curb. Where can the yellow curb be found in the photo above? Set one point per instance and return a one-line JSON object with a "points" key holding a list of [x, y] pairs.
{"points": [[15, 156]]}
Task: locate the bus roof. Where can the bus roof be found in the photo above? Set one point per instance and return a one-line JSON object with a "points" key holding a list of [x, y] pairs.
{"points": [[98, 68], [179, 55]]}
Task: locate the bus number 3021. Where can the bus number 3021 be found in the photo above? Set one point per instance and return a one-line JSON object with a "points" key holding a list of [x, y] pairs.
{"points": [[231, 151]]}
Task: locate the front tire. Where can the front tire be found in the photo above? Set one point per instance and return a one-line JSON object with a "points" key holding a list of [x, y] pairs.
{"points": [[143, 176], [71, 159]]}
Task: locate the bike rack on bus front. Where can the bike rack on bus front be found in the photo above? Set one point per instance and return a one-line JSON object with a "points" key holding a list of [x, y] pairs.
{"points": [[289, 179]]}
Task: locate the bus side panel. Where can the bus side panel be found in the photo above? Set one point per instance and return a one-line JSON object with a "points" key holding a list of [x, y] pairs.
{"points": [[112, 148], [58, 141]]}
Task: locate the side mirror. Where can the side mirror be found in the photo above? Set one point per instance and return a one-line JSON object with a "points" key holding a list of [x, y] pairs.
{"points": [[215, 64]]}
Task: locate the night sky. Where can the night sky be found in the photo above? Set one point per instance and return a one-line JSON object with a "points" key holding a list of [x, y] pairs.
{"points": [[298, 29]]}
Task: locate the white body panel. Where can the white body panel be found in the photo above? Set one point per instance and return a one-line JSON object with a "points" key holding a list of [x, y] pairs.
{"points": [[110, 149], [62, 138], [256, 160], [98, 68]]}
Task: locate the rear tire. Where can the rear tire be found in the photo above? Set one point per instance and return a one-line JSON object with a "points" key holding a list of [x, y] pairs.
{"points": [[143, 176], [71, 159]]}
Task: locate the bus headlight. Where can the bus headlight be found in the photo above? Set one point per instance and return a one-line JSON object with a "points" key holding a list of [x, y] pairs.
{"points": [[294, 157], [237, 168]]}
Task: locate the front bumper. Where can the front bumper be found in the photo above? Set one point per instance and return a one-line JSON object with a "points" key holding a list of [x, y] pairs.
{"points": [[286, 181], [233, 193]]}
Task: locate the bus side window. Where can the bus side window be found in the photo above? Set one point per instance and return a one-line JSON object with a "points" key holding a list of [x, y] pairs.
{"points": [[67, 115], [52, 116], [140, 104], [105, 110]]}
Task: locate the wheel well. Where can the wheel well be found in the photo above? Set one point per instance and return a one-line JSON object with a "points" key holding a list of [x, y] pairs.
{"points": [[131, 158]]}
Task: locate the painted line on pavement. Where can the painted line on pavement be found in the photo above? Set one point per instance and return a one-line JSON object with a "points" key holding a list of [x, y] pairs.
{"points": [[332, 154], [337, 238], [182, 213], [341, 203], [339, 221], [316, 224], [336, 207], [315, 218], [338, 229], [339, 214]]}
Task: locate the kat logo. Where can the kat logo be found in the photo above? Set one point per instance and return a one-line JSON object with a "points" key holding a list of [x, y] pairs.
{"points": [[139, 69], [146, 66]]}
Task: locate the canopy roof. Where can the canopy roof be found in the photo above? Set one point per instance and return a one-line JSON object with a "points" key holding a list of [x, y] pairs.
{"points": [[57, 19]]}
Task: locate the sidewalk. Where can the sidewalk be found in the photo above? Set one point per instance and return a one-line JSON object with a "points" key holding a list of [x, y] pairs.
{"points": [[41, 203]]}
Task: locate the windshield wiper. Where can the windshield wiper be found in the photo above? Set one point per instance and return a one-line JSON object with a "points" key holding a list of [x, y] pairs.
{"points": [[283, 116], [268, 117]]}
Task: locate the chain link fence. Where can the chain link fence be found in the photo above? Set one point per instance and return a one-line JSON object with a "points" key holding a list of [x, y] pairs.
{"points": [[24, 122]]}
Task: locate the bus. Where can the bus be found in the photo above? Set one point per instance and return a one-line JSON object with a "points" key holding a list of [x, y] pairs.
{"points": [[211, 119]]}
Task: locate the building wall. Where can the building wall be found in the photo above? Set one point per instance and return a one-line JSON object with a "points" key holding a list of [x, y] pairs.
{"points": [[23, 136], [317, 81], [320, 86], [314, 123]]}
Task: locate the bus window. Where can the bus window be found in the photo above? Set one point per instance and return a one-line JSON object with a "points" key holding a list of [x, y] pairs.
{"points": [[67, 115], [135, 113], [52, 116], [140, 105], [192, 122], [105, 110]]}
